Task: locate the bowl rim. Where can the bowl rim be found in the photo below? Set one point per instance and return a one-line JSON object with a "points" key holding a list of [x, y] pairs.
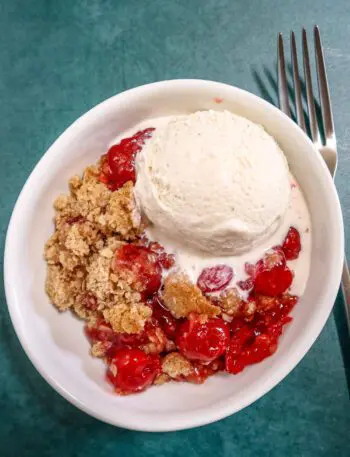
{"points": [[212, 414]]}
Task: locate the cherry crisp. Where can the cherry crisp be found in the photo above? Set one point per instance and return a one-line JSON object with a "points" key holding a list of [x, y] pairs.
{"points": [[144, 318]]}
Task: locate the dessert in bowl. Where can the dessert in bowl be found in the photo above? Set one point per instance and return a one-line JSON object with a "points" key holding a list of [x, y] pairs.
{"points": [[185, 261]]}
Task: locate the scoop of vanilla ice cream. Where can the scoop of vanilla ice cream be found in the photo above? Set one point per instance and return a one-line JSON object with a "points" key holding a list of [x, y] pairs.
{"points": [[214, 181]]}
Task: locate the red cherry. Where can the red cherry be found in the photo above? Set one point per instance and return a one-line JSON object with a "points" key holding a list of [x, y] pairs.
{"points": [[263, 347], [253, 341], [166, 321], [242, 334], [122, 165], [247, 284], [237, 324], [271, 276], [166, 260], [203, 342], [273, 282], [292, 244], [280, 311], [215, 278], [131, 370], [118, 165], [249, 268], [242, 349], [142, 263], [239, 356]]}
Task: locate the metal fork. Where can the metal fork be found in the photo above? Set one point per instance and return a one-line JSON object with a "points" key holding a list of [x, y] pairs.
{"points": [[328, 148]]}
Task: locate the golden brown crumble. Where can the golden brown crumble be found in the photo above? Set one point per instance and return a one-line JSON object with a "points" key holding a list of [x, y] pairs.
{"points": [[230, 302], [110, 213], [91, 223], [233, 306], [176, 365], [98, 349], [121, 213], [157, 342], [182, 297], [249, 309], [63, 286], [127, 318], [161, 379], [264, 303]]}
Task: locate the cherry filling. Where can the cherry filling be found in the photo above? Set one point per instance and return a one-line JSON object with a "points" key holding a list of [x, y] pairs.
{"points": [[203, 342], [165, 320], [111, 341], [142, 264], [166, 260], [131, 370], [211, 346], [215, 278], [251, 342], [292, 244], [270, 276], [118, 165]]}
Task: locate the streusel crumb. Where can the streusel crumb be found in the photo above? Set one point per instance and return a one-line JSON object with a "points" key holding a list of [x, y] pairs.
{"points": [[230, 302], [161, 379], [99, 348], [182, 297], [62, 286], [98, 279], [91, 223], [264, 303], [127, 319], [157, 342], [121, 215], [111, 213], [175, 365]]}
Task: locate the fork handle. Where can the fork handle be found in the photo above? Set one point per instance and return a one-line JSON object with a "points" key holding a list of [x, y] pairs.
{"points": [[345, 285]]}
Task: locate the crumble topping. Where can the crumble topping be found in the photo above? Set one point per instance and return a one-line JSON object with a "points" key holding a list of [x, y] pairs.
{"points": [[182, 297], [62, 286], [176, 365], [157, 342], [264, 303], [121, 214], [99, 349], [249, 309], [127, 318], [110, 213], [91, 223], [230, 302], [162, 378]]}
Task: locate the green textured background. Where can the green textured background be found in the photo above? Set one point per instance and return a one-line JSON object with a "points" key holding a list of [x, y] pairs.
{"points": [[58, 58]]}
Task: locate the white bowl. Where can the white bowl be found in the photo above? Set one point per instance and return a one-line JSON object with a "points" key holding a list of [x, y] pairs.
{"points": [[55, 342]]}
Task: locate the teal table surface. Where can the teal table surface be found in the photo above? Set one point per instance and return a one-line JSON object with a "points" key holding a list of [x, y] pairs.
{"points": [[58, 58]]}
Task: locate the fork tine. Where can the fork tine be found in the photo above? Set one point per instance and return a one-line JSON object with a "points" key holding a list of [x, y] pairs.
{"points": [[315, 134], [282, 78], [296, 81], [323, 87]]}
